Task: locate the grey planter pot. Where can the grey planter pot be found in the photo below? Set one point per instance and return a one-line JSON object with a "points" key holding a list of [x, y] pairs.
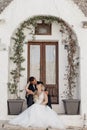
{"points": [[15, 106], [72, 106]]}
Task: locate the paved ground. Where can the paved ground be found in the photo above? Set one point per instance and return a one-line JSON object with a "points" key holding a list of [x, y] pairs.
{"points": [[5, 126]]}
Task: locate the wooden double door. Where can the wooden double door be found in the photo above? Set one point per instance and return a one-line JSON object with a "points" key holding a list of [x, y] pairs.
{"points": [[43, 64]]}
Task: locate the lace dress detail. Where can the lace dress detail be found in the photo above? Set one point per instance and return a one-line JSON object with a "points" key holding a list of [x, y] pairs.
{"points": [[39, 99]]}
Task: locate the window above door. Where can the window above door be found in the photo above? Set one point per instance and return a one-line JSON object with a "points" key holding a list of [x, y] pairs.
{"points": [[43, 29]]}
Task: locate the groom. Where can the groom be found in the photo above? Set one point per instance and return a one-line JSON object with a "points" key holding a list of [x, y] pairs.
{"points": [[30, 89]]}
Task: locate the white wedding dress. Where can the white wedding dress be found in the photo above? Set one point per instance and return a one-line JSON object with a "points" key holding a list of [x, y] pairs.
{"points": [[38, 115]]}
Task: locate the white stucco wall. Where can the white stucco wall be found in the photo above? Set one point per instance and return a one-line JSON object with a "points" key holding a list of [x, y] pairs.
{"points": [[3, 83], [16, 13]]}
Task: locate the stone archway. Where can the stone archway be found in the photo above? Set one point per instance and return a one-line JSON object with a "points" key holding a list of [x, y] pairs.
{"points": [[65, 28]]}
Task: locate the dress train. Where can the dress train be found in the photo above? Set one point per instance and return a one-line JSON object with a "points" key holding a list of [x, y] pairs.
{"points": [[38, 115]]}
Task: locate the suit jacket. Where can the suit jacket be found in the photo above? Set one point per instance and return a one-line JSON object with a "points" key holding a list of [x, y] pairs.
{"points": [[30, 87]]}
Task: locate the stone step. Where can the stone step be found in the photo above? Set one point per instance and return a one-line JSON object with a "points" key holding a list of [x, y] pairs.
{"points": [[4, 125]]}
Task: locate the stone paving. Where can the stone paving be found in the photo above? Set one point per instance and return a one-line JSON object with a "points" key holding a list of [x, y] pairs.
{"points": [[4, 125]]}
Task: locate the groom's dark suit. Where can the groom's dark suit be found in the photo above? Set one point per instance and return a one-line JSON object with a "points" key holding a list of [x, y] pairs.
{"points": [[30, 96]]}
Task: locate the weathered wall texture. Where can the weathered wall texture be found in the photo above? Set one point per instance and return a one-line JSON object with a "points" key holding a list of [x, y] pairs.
{"points": [[4, 4], [82, 5]]}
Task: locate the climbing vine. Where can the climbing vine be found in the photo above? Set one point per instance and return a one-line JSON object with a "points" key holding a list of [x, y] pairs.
{"points": [[19, 38]]}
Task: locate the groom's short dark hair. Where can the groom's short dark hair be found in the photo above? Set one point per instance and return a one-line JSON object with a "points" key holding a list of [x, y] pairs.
{"points": [[31, 79]]}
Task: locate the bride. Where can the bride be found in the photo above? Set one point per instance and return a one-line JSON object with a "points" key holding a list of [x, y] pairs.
{"points": [[39, 114]]}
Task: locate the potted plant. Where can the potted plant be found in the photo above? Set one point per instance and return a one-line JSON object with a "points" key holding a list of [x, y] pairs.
{"points": [[71, 105], [15, 104]]}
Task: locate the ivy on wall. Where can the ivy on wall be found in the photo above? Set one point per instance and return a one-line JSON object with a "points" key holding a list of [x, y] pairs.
{"points": [[19, 38]]}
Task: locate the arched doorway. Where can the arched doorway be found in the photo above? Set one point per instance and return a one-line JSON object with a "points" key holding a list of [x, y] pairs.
{"points": [[62, 32]]}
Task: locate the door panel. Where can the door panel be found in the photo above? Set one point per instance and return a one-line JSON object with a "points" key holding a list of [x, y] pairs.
{"points": [[35, 61], [50, 64], [43, 64]]}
